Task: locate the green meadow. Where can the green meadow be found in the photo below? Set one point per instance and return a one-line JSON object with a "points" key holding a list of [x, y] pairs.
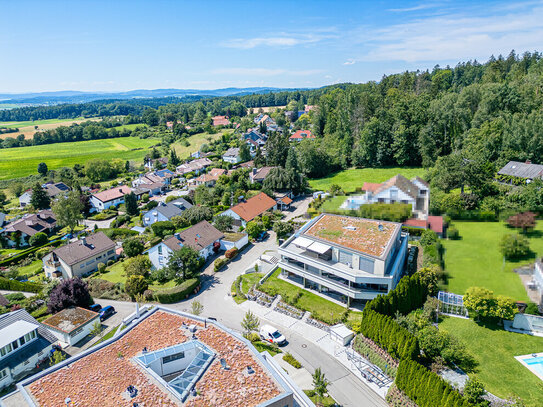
{"points": [[10, 125], [23, 161]]}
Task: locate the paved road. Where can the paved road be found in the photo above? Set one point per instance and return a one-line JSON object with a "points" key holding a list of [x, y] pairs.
{"points": [[300, 206]]}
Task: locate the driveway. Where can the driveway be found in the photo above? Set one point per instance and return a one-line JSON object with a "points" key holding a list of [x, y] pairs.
{"points": [[300, 207], [102, 224]]}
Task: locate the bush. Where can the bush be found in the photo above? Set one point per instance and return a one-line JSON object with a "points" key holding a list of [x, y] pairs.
{"points": [[291, 360], [135, 285], [231, 253], [14, 285], [101, 268], [41, 253], [219, 263], [132, 247], [453, 234], [121, 220], [163, 228], [177, 293], [514, 246], [39, 239], [69, 293], [119, 233], [171, 198], [15, 297]]}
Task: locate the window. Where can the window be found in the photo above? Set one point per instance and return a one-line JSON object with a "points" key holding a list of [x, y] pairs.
{"points": [[15, 344], [171, 358], [5, 350], [76, 332], [3, 374], [81, 266], [110, 252], [393, 194], [89, 262], [365, 264], [159, 249], [22, 340], [423, 192], [345, 258]]}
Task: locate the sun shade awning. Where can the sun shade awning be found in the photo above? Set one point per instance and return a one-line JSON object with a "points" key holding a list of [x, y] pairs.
{"points": [[319, 247], [302, 242]]}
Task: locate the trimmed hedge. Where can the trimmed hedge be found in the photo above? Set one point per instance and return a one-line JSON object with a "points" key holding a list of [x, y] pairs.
{"points": [[28, 252], [385, 332], [177, 293], [14, 285], [426, 388], [114, 233]]}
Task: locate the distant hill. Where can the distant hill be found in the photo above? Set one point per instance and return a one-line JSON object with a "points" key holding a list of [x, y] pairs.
{"points": [[69, 96]]}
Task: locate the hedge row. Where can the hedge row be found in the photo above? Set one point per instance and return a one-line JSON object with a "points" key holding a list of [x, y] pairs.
{"points": [[24, 254], [385, 332], [178, 293], [14, 285], [409, 294], [426, 388]]}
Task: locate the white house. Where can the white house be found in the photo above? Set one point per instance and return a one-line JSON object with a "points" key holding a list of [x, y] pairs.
{"points": [[108, 198], [232, 155], [24, 343], [246, 211], [202, 237], [71, 325], [231, 240], [165, 211], [398, 189], [79, 258], [53, 190]]}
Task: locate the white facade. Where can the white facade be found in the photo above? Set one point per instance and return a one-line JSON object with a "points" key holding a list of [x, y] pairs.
{"points": [[99, 206], [227, 244], [59, 268], [231, 213], [71, 338], [160, 254], [24, 199]]}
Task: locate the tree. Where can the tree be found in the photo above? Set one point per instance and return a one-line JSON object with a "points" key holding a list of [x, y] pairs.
{"points": [[196, 307], [96, 329], [525, 221], [58, 356], [514, 246], [39, 239], [198, 213], [277, 148], [39, 198], [131, 203], [320, 385], [259, 159], [135, 285], [291, 163], [132, 247], [479, 301], [250, 323], [254, 229], [185, 263], [3, 199], [68, 211], [244, 152], [474, 392], [163, 228], [137, 266], [282, 229], [223, 222], [280, 179], [42, 169], [174, 159], [73, 292]]}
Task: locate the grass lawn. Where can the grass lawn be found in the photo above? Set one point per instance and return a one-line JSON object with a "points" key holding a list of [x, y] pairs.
{"points": [[326, 401], [475, 259], [23, 161], [332, 204], [195, 142], [11, 125], [248, 280], [494, 349], [116, 275], [4, 253], [354, 178], [31, 268]]}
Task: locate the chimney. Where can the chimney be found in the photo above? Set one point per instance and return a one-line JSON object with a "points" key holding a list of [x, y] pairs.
{"points": [[254, 171], [177, 235], [84, 241], [120, 190], [528, 161]]}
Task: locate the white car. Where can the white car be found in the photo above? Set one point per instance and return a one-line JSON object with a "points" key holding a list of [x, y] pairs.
{"points": [[270, 334]]}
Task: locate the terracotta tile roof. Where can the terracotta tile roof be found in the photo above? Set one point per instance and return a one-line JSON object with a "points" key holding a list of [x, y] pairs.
{"points": [[371, 186], [220, 121], [90, 246], [101, 377], [302, 134], [286, 200], [113, 193], [416, 223], [212, 175], [254, 206], [366, 236], [198, 237], [69, 319], [436, 223]]}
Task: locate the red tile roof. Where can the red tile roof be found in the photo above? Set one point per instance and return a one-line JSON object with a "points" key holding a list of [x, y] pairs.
{"points": [[302, 134], [113, 193], [254, 206], [434, 223], [371, 186], [416, 223], [101, 377], [220, 121]]}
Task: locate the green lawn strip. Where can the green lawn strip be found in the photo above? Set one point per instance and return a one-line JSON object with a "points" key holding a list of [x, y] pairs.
{"points": [[325, 401], [273, 286], [115, 274], [494, 350], [263, 346], [248, 280], [22, 161], [354, 178], [11, 125], [195, 142], [32, 268], [475, 259], [332, 204]]}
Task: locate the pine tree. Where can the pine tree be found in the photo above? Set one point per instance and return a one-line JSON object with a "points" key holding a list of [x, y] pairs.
{"points": [[39, 199]]}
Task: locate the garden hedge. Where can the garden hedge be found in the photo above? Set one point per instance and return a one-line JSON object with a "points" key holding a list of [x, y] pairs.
{"points": [[24, 254], [177, 293], [14, 285]]}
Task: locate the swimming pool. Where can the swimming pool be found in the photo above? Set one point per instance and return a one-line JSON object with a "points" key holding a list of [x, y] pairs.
{"points": [[533, 362]]}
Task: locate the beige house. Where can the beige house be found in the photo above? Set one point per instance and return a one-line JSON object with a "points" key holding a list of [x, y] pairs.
{"points": [[79, 258]]}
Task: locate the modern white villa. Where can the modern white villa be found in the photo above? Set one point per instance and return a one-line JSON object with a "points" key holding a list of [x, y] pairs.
{"points": [[350, 259], [398, 189]]}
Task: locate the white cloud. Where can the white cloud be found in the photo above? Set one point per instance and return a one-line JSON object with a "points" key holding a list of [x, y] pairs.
{"points": [[350, 61], [264, 71], [281, 41], [456, 36], [414, 8]]}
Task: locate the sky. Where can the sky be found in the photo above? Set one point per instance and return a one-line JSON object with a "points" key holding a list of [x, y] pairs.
{"points": [[119, 45]]}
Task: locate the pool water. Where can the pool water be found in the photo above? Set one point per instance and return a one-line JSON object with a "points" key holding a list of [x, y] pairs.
{"points": [[535, 364]]}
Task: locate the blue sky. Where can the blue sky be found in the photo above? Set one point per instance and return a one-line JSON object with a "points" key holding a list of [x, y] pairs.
{"points": [[122, 45]]}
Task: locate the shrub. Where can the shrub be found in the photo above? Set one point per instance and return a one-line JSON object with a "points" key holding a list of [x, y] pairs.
{"points": [[231, 253], [135, 285], [119, 233], [253, 337], [453, 234], [171, 198], [177, 293], [14, 285], [514, 246], [39, 239], [41, 253], [101, 268], [132, 247], [15, 297], [163, 228], [219, 263], [69, 293], [291, 360]]}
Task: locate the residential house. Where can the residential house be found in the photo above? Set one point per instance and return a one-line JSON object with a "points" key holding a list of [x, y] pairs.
{"points": [[435, 223], [195, 166], [246, 211], [24, 343], [260, 174], [220, 121], [165, 211], [53, 189], [79, 258], [300, 135], [536, 284], [108, 198], [155, 182], [283, 199], [202, 237], [18, 232], [351, 260], [156, 163], [526, 171], [71, 325], [256, 136], [166, 358], [398, 189], [210, 178], [232, 155]]}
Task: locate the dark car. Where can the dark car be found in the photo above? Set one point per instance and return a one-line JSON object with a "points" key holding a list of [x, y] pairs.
{"points": [[106, 312], [263, 236], [95, 307]]}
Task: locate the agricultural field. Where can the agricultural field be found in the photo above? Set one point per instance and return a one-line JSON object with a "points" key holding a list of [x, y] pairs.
{"points": [[23, 161], [475, 259], [27, 127], [195, 142], [354, 178], [494, 350]]}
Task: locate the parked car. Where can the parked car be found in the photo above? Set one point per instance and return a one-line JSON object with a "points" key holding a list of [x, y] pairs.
{"points": [[95, 307], [106, 312], [270, 334], [263, 236]]}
